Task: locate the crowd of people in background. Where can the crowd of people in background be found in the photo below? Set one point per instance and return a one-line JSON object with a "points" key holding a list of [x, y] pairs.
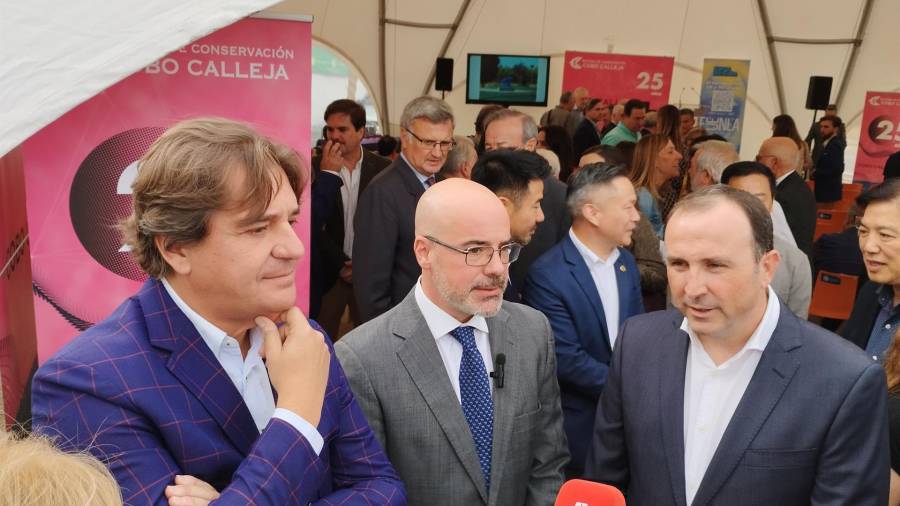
{"points": [[610, 293]]}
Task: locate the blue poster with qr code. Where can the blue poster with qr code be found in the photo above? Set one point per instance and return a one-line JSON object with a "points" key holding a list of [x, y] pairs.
{"points": [[723, 97]]}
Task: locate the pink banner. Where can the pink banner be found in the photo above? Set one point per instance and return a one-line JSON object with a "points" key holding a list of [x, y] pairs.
{"points": [[613, 77], [879, 136], [18, 351], [80, 168]]}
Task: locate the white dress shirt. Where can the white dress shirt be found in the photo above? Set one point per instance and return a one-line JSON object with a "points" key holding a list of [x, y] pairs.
{"points": [[249, 374], [712, 393], [350, 196], [780, 225], [603, 273], [783, 177], [440, 324]]}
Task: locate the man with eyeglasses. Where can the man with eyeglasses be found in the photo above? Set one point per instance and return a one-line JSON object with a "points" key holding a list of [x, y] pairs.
{"points": [[384, 267], [587, 285], [459, 386], [517, 178]]}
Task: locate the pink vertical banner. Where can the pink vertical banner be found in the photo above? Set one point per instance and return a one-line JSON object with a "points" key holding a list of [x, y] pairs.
{"points": [[79, 169], [613, 77], [879, 136], [18, 351]]}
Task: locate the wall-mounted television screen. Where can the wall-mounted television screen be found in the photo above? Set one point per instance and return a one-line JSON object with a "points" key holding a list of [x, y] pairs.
{"points": [[507, 79]]}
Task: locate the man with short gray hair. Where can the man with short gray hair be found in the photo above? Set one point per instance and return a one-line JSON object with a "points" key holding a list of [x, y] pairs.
{"points": [[384, 267], [460, 159], [587, 285], [559, 115]]}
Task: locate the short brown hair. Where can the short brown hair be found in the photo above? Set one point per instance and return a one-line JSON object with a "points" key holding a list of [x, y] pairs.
{"points": [[183, 179], [756, 213]]}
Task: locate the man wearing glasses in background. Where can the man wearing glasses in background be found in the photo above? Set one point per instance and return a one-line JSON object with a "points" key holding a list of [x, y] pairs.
{"points": [[384, 267], [459, 386]]}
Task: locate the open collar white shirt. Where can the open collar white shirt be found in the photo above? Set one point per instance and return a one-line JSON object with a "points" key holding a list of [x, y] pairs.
{"points": [[712, 393], [603, 272], [440, 323], [249, 375], [783, 177], [350, 196]]}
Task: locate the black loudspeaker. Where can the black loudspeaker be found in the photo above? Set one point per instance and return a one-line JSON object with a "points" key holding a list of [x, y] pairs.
{"points": [[819, 92], [443, 76]]}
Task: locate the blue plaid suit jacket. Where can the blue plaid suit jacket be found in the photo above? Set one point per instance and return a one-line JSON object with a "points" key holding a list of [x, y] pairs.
{"points": [[145, 394]]}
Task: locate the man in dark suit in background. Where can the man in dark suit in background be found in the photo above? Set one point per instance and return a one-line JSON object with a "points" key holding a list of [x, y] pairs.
{"points": [[384, 267], [507, 128], [517, 178], [586, 135], [343, 157], [732, 399], [798, 202], [587, 285], [876, 312], [830, 166]]}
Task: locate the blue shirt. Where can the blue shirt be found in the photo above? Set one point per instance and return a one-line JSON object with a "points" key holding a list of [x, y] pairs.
{"points": [[885, 323], [649, 208]]}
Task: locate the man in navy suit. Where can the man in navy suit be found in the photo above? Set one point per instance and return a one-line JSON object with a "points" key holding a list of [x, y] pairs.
{"points": [[517, 178], [171, 390], [830, 165], [732, 399], [587, 285]]}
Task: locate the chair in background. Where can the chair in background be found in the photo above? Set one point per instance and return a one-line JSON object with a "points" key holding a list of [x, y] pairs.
{"points": [[829, 221], [833, 295]]}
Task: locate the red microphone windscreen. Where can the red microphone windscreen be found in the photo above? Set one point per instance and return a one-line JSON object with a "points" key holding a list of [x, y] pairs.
{"points": [[589, 493]]}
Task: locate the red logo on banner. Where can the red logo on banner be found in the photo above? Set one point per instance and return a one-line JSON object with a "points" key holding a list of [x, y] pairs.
{"points": [[613, 77], [879, 136]]}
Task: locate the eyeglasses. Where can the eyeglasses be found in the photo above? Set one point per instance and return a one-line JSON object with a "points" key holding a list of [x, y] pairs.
{"points": [[430, 144], [479, 256]]}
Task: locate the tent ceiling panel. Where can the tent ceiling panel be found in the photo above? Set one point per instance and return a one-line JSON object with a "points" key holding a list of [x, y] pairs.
{"points": [[410, 55], [419, 11], [811, 19]]}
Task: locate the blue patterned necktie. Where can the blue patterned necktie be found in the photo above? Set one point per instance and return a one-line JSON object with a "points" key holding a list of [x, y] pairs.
{"points": [[475, 393], [430, 181]]}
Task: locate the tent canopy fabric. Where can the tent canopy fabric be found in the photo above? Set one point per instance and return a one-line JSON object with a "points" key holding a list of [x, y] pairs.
{"points": [[55, 55]]}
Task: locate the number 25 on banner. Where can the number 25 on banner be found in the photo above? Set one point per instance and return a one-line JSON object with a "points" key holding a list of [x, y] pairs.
{"points": [[650, 82]]}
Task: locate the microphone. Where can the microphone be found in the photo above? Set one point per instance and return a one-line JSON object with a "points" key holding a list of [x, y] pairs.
{"points": [[499, 365], [588, 493]]}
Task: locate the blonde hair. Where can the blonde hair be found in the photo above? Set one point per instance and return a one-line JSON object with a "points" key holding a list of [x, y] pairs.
{"points": [[34, 472], [184, 177], [643, 170]]}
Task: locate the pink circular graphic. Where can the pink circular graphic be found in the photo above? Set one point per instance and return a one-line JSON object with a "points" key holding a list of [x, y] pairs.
{"points": [[101, 197]]}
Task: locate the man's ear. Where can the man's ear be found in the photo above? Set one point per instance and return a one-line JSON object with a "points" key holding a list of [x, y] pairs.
{"points": [[421, 249], [508, 204], [175, 255], [531, 145], [770, 263]]}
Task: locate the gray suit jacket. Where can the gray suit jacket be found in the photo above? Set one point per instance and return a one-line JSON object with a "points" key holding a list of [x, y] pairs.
{"points": [[397, 376], [811, 428], [793, 278], [384, 265]]}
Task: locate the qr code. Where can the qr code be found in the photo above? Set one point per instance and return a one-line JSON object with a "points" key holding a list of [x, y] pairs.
{"points": [[722, 101]]}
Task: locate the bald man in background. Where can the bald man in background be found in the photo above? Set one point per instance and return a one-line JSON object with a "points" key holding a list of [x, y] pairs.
{"points": [[781, 155], [457, 434]]}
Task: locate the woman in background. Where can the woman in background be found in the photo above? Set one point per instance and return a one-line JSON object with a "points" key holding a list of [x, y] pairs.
{"points": [[656, 163]]}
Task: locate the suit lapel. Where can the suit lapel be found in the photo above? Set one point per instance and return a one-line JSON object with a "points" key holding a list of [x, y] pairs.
{"points": [[671, 402], [195, 366], [420, 356], [582, 275], [773, 374], [623, 286], [410, 180], [502, 341]]}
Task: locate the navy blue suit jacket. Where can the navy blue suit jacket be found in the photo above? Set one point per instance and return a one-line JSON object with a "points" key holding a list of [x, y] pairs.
{"points": [[144, 393], [560, 285], [811, 428]]}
